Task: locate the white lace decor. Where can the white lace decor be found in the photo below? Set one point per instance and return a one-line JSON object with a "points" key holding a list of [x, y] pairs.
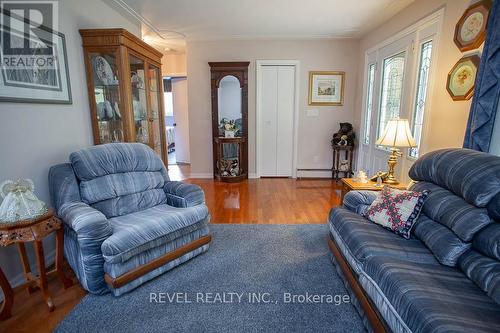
{"points": [[19, 201]]}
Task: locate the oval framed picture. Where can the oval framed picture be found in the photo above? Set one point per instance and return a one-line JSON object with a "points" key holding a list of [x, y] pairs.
{"points": [[461, 78], [470, 30]]}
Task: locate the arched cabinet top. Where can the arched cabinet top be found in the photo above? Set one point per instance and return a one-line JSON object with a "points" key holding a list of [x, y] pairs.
{"points": [[219, 70]]}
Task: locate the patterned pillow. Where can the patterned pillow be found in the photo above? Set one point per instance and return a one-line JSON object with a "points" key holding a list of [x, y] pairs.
{"points": [[396, 210]]}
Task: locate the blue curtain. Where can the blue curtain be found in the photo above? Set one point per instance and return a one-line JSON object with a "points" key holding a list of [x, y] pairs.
{"points": [[487, 90]]}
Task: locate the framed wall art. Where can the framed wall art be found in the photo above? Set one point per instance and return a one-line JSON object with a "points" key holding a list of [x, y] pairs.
{"points": [[34, 67], [470, 30], [326, 88], [461, 78]]}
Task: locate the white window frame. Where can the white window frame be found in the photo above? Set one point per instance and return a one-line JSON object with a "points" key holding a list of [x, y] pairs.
{"points": [[419, 28]]}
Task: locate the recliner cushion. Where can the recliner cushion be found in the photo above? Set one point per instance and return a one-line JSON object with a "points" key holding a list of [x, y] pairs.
{"points": [[127, 204], [429, 297], [120, 178], [138, 232], [118, 184], [112, 158]]}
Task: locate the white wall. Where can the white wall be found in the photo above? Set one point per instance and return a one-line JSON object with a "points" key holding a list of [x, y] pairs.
{"points": [[36, 136], [173, 65], [314, 133], [180, 99], [448, 118]]}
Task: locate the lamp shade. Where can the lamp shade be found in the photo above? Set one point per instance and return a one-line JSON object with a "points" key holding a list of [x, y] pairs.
{"points": [[397, 134]]}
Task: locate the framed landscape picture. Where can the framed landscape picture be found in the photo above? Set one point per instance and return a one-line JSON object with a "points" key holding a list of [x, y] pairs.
{"points": [[326, 88], [34, 67]]}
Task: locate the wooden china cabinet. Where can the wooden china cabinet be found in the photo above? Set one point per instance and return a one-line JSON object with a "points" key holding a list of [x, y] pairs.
{"points": [[125, 88]]}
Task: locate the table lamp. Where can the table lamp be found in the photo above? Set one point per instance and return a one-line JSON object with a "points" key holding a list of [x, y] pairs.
{"points": [[396, 135]]}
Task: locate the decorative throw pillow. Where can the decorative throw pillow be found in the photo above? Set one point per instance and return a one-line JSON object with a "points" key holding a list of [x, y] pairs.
{"points": [[396, 210]]}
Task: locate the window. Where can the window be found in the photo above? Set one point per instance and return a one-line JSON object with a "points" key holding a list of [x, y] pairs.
{"points": [[392, 90], [421, 94], [369, 101]]}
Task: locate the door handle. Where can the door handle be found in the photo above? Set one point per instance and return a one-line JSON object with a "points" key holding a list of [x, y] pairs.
{"points": [[174, 124]]}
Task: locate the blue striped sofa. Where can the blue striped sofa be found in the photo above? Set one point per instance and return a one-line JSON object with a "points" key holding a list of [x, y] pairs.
{"points": [[446, 278], [125, 221]]}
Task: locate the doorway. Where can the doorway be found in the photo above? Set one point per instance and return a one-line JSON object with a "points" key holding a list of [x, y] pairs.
{"points": [[277, 110], [176, 120], [398, 79]]}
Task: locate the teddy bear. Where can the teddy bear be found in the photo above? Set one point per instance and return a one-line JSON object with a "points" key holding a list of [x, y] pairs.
{"points": [[345, 136]]}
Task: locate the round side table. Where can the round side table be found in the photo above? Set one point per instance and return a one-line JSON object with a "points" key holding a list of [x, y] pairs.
{"points": [[32, 231]]}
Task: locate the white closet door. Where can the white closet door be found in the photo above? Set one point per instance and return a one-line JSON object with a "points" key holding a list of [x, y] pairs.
{"points": [[284, 144], [276, 120], [268, 120]]}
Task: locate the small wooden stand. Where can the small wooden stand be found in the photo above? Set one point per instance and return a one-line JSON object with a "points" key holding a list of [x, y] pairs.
{"points": [[342, 153], [32, 231], [350, 184]]}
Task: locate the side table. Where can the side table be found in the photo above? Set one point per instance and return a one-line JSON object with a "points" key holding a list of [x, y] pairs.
{"points": [[349, 184], [32, 231]]}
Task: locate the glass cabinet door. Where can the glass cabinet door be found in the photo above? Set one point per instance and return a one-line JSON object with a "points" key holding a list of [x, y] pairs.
{"points": [[155, 105], [139, 101], [107, 96]]}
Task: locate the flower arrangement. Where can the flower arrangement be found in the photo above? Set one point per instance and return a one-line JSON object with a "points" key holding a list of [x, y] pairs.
{"points": [[229, 127]]}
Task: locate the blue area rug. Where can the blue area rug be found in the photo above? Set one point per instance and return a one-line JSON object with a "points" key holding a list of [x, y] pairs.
{"points": [[264, 278]]}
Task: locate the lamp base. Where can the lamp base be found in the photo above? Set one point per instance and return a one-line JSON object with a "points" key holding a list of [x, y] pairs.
{"points": [[391, 162]]}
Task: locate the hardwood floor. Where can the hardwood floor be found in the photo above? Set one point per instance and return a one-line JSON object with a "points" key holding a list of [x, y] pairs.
{"points": [[270, 200], [265, 201]]}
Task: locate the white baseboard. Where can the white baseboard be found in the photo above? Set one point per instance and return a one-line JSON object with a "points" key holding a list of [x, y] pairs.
{"points": [[314, 174], [201, 175], [19, 279], [253, 176]]}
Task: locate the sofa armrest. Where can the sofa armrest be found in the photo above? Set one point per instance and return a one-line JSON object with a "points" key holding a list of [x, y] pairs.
{"points": [[359, 201], [183, 195]]}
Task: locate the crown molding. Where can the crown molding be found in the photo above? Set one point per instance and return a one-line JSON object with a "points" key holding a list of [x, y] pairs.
{"points": [[270, 37], [122, 4]]}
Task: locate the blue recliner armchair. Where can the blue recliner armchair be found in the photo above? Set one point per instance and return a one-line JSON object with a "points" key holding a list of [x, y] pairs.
{"points": [[125, 221]]}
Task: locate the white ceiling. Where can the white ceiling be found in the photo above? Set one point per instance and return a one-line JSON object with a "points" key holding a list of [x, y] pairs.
{"points": [[179, 20]]}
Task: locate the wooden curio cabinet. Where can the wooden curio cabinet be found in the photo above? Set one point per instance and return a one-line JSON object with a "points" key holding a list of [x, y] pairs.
{"points": [[125, 88], [229, 85]]}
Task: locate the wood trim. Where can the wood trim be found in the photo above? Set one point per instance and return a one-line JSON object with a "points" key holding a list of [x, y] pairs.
{"points": [[229, 65], [123, 70], [118, 36], [161, 111], [139, 271], [376, 321]]}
